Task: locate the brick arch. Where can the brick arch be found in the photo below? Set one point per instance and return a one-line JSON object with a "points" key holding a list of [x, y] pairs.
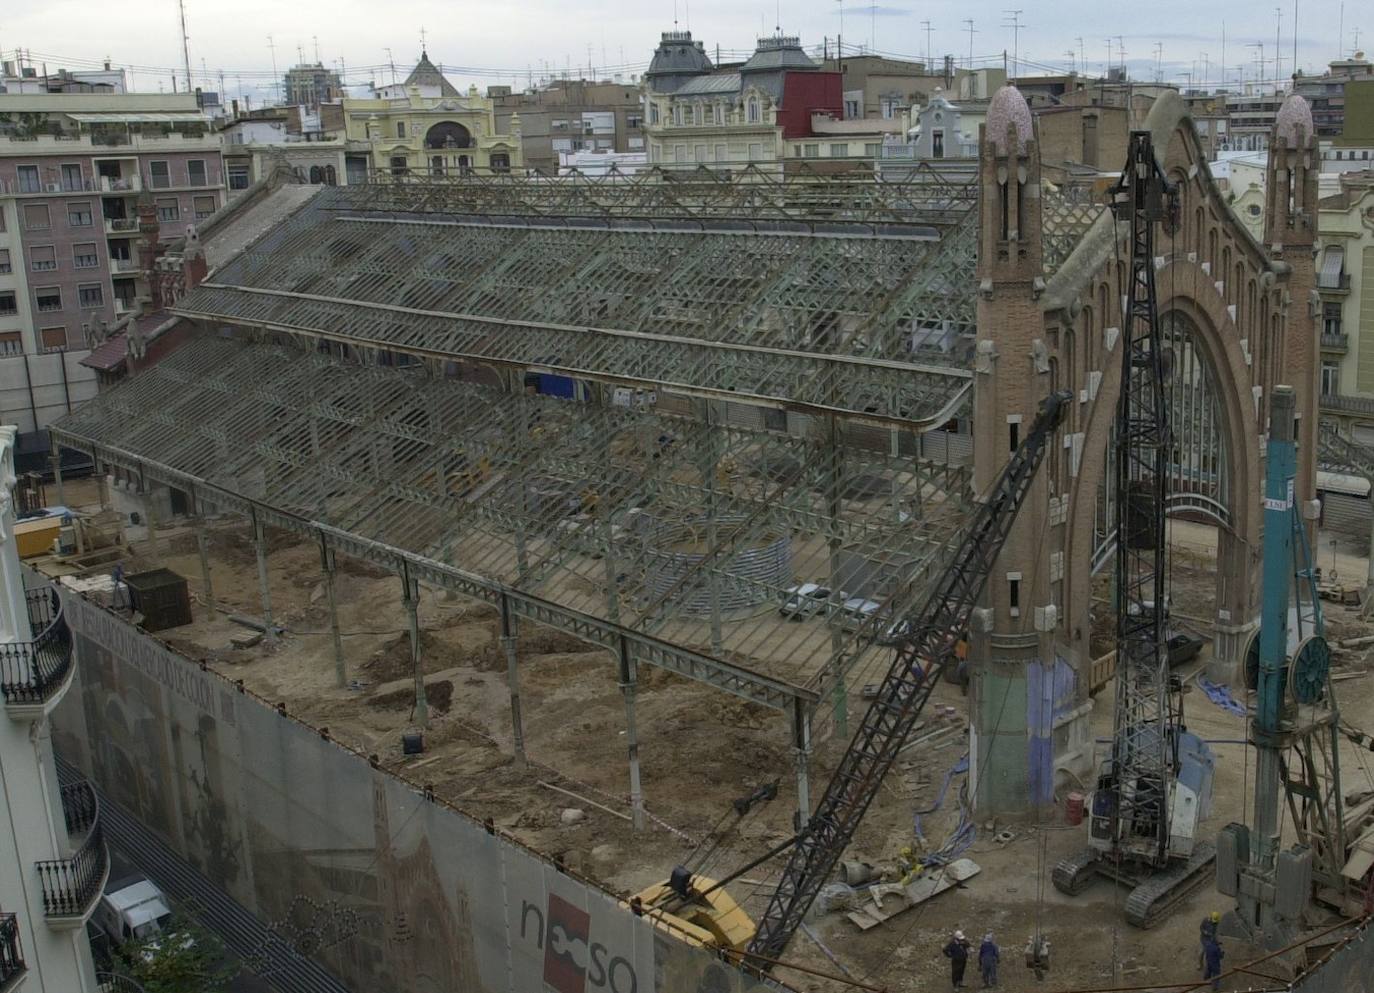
{"points": [[1184, 288]]}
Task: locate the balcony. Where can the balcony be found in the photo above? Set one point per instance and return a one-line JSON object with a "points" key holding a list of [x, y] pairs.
{"points": [[121, 226], [126, 184], [1340, 284], [1347, 404], [124, 267], [71, 886], [1335, 342], [12, 966], [34, 673]]}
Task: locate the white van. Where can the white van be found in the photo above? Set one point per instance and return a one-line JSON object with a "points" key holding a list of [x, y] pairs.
{"points": [[132, 909]]}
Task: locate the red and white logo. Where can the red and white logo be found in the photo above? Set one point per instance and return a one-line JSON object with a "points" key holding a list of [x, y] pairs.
{"points": [[567, 949]]}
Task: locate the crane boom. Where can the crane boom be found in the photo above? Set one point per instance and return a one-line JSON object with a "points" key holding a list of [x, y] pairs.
{"points": [[916, 668]]}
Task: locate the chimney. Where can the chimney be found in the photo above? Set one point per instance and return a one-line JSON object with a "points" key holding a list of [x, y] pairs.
{"points": [[193, 264]]}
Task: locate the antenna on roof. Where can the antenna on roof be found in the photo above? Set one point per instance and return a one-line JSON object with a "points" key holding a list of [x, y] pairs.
{"points": [[185, 44], [424, 49]]}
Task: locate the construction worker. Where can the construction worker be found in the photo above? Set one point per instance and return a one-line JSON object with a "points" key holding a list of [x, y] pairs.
{"points": [[1207, 932], [988, 954], [957, 952], [1211, 962]]}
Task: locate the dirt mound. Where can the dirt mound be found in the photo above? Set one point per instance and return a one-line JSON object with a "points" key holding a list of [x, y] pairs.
{"points": [[437, 653], [545, 641], [438, 697], [361, 569]]}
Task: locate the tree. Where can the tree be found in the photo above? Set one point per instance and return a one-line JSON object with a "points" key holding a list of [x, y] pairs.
{"points": [[183, 958]]}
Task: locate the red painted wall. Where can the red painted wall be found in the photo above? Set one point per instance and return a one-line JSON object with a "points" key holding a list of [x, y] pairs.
{"points": [[806, 93]]}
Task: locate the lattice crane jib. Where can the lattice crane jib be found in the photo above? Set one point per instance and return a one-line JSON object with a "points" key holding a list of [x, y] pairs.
{"points": [[1143, 763], [916, 668], [1155, 788]]}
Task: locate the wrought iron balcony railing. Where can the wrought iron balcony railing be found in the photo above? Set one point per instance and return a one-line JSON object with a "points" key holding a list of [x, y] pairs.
{"points": [[72, 885], [79, 808], [12, 964], [32, 671]]}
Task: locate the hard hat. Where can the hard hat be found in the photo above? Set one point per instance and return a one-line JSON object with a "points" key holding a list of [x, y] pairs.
{"points": [[958, 936], [1216, 917]]}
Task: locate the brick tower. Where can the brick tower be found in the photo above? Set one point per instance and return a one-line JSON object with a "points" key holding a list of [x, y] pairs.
{"points": [[1013, 637], [1290, 231]]}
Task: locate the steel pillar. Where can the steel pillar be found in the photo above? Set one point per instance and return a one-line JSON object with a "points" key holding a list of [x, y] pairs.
{"points": [[508, 642], [203, 547], [264, 587], [801, 746], [340, 667], [411, 599], [832, 501], [628, 681], [56, 458]]}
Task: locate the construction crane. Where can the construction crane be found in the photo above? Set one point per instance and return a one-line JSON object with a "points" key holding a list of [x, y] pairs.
{"points": [[696, 908], [1295, 730], [1156, 786]]}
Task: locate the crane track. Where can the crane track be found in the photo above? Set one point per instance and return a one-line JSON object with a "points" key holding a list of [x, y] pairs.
{"points": [[1154, 898]]}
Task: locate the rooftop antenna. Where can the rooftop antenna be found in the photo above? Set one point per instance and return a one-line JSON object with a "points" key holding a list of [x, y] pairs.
{"points": [[424, 48], [1015, 26], [1121, 54], [276, 77], [1109, 59], [1082, 56], [300, 54], [873, 26], [1259, 58], [926, 25], [1278, 40], [391, 61], [1223, 54], [316, 39], [1159, 62], [969, 21], [185, 43], [1073, 65], [1295, 37]]}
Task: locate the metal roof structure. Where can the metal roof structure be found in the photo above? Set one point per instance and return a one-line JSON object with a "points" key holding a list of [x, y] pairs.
{"points": [[677, 532], [864, 316], [770, 360]]}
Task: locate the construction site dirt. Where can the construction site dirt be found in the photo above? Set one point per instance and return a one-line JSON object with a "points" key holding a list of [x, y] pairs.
{"points": [[700, 749]]}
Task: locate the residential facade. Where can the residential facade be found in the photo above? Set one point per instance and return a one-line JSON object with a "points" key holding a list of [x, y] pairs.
{"points": [[70, 180], [425, 127], [53, 859], [779, 109], [1345, 286], [309, 85], [567, 117], [1327, 93], [259, 143]]}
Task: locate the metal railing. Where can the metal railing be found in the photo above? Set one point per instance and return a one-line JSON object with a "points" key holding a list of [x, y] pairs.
{"points": [[1354, 405], [12, 962], [1335, 342], [117, 982], [72, 885], [32, 671], [79, 807]]}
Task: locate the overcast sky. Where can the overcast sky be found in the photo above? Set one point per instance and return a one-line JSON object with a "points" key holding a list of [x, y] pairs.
{"points": [[507, 40]]}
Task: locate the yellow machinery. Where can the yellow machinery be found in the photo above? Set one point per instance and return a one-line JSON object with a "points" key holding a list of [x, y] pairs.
{"points": [[706, 915]]}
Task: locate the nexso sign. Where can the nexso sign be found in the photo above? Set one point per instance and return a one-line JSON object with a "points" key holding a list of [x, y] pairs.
{"points": [[573, 962]]}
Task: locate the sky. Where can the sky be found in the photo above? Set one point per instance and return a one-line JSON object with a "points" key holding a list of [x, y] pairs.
{"points": [[515, 42]]}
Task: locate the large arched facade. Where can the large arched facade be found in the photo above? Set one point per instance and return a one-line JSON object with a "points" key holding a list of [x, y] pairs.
{"points": [[1227, 304]]}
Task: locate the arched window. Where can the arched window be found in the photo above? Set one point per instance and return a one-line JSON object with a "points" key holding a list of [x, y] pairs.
{"points": [[330, 176], [316, 176], [400, 129], [448, 134], [753, 110]]}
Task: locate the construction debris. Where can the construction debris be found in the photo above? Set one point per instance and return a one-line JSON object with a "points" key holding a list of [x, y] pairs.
{"points": [[887, 900]]}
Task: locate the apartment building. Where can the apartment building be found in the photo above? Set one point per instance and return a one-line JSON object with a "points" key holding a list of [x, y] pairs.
{"points": [[1345, 286], [569, 116], [53, 859], [70, 178], [311, 84]]}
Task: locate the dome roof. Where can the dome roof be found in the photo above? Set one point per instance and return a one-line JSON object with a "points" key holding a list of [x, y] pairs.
{"points": [[678, 55], [1009, 109], [778, 52], [1294, 121]]}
